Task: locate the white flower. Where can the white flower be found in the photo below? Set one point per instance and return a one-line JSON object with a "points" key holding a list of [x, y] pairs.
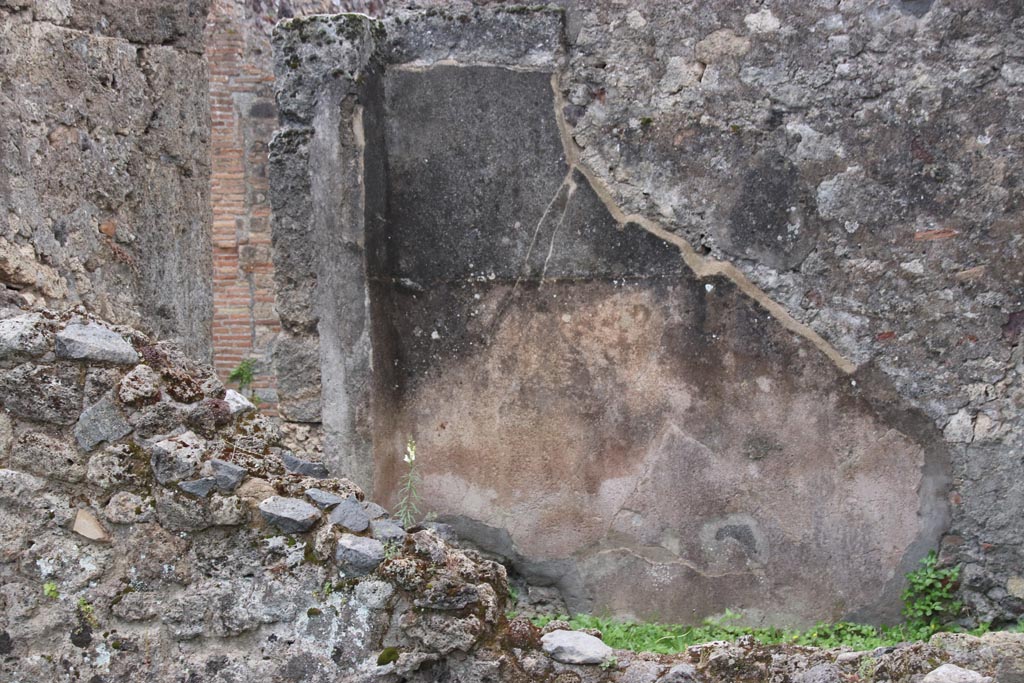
{"points": [[410, 453]]}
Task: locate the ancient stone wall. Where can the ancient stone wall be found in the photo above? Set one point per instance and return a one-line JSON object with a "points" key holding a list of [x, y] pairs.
{"points": [[833, 342], [151, 528], [104, 176]]}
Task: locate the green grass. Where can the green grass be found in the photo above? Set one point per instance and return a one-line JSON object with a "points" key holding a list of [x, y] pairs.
{"points": [[672, 638], [929, 601]]}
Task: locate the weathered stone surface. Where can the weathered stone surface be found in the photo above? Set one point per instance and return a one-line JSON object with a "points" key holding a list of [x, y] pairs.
{"points": [[254, 490], [6, 435], [160, 418], [178, 512], [60, 403], [950, 673], [125, 507], [26, 335], [574, 647], [349, 514], [207, 416], [93, 342], [443, 634], [237, 403], [387, 530], [118, 466], [290, 515], [822, 673], [358, 555], [140, 384], [447, 594], [227, 474], [305, 468], [164, 569], [228, 510], [680, 673], [110, 206], [324, 499], [373, 510], [48, 457], [200, 488], [177, 458], [99, 381], [296, 363], [144, 21], [102, 421], [374, 594]]}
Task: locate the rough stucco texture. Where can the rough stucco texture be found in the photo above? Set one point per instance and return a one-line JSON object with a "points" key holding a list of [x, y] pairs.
{"points": [[104, 179]]}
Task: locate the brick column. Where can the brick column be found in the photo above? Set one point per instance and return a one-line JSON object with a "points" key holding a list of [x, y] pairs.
{"points": [[244, 117]]}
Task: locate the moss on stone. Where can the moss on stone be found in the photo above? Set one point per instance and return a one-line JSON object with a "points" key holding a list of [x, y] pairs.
{"points": [[387, 656]]}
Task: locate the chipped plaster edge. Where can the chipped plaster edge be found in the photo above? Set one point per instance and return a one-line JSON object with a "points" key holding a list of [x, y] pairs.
{"points": [[701, 266]]}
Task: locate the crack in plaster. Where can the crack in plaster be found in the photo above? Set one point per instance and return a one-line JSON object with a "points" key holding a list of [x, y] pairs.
{"points": [[558, 226], [674, 563], [525, 270]]}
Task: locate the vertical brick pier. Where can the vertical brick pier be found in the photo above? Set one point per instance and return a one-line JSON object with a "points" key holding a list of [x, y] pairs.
{"points": [[244, 117]]}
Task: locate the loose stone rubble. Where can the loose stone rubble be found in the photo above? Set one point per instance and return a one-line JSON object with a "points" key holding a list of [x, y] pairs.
{"points": [[181, 548]]}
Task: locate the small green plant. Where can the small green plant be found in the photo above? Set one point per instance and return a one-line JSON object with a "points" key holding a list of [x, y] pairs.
{"points": [[50, 590], [244, 373], [929, 600], [610, 663], [408, 504], [391, 549], [88, 612], [866, 670]]}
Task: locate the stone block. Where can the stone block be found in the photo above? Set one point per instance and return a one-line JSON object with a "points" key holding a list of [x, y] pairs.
{"points": [[358, 555], [102, 421], [574, 647], [88, 341], [177, 458], [290, 515]]}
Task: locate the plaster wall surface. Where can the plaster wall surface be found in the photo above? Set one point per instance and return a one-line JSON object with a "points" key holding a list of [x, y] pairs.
{"points": [[573, 374], [570, 380]]}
